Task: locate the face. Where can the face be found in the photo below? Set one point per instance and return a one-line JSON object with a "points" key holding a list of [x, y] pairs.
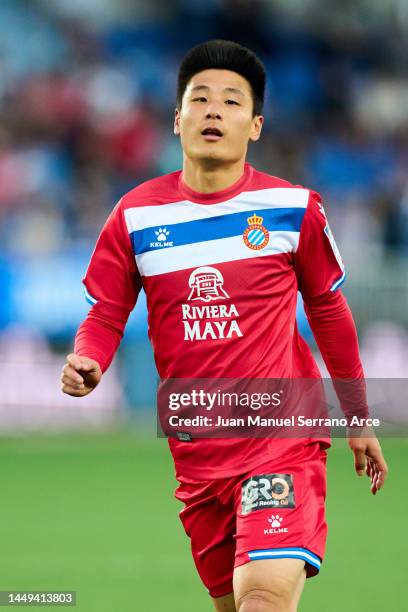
{"points": [[215, 122]]}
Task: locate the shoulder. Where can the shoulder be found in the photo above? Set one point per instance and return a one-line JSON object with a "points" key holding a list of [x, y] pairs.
{"points": [[264, 180], [160, 190], [284, 190]]}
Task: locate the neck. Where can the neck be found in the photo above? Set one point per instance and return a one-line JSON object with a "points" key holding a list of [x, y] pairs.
{"points": [[210, 178]]}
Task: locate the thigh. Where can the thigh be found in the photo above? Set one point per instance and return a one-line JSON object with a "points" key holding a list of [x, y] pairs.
{"points": [[225, 604], [210, 525], [272, 580], [281, 511]]}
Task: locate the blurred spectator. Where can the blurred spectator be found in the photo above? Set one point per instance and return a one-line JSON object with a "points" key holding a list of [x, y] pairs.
{"points": [[87, 98], [87, 104], [30, 394]]}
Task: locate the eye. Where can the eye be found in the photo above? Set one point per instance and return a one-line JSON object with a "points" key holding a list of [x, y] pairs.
{"points": [[232, 102], [200, 99]]}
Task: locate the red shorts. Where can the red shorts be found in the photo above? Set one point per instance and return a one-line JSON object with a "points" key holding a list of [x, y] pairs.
{"points": [[276, 510]]}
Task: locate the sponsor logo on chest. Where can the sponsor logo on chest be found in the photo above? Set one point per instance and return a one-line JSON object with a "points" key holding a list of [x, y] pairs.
{"points": [[206, 315]]}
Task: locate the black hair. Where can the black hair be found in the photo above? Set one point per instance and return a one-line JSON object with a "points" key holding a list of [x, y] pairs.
{"points": [[226, 55]]}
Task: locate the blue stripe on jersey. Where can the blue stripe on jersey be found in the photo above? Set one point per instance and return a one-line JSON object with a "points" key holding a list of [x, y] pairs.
{"points": [[215, 228], [338, 282], [89, 298]]}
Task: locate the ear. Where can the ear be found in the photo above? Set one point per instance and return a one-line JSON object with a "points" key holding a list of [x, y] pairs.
{"points": [[176, 128], [256, 128]]}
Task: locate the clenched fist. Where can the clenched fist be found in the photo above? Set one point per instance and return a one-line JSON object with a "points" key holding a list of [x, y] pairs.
{"points": [[80, 375]]}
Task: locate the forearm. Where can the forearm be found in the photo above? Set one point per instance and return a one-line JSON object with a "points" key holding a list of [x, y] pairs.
{"points": [[100, 334], [333, 327]]}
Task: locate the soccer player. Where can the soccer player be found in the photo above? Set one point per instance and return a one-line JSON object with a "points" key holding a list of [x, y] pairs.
{"points": [[219, 232]]}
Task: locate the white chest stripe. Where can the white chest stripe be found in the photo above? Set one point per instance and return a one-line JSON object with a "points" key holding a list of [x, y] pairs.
{"points": [[142, 217], [210, 252]]}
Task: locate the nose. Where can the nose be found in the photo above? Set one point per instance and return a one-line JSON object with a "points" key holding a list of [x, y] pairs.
{"points": [[212, 114], [213, 109]]}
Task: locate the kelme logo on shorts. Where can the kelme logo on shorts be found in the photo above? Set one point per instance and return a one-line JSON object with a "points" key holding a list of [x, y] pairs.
{"points": [[267, 491]]}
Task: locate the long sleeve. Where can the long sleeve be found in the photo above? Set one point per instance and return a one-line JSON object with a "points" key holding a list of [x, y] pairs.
{"points": [[99, 336], [320, 272], [333, 327], [111, 286]]}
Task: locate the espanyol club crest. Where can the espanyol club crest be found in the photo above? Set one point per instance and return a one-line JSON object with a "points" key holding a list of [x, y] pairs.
{"points": [[256, 236]]}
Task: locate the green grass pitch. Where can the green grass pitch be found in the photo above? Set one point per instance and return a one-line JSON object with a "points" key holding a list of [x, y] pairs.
{"points": [[96, 514]]}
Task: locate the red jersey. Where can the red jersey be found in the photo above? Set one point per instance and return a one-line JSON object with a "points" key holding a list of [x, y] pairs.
{"points": [[221, 273]]}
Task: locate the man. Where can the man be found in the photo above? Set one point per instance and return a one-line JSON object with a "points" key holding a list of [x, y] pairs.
{"points": [[219, 232]]}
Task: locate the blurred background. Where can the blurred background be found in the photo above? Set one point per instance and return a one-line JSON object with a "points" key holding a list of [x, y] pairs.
{"points": [[87, 94]]}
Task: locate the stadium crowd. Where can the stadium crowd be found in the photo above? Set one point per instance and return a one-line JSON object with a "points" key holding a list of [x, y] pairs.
{"points": [[86, 110], [87, 96]]}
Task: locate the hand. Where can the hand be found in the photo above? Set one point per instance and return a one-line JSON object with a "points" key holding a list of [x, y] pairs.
{"points": [[80, 375], [368, 457]]}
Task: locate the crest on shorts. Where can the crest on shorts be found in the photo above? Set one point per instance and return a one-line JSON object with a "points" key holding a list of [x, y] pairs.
{"points": [[256, 236], [267, 491]]}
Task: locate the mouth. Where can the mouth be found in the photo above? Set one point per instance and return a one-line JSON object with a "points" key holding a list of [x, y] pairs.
{"points": [[212, 133]]}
